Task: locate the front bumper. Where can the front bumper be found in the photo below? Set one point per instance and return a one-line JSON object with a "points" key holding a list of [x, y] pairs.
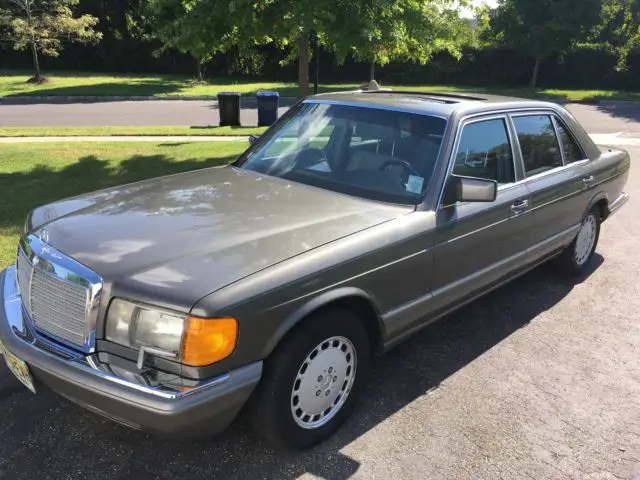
{"points": [[205, 409]]}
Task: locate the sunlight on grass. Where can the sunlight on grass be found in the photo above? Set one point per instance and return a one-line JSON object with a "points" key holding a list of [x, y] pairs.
{"points": [[35, 174]]}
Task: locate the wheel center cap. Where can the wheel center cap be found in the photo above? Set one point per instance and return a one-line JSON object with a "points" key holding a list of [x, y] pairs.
{"points": [[321, 383]]}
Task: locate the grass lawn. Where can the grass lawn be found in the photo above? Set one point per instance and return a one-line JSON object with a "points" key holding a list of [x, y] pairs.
{"points": [[77, 84], [35, 174], [128, 131]]}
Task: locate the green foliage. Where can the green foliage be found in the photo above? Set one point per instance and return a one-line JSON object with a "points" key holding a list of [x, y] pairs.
{"points": [[200, 28], [376, 31], [383, 30], [542, 27], [619, 31], [43, 26]]}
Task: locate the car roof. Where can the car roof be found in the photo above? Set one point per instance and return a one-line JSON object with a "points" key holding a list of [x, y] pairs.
{"points": [[429, 102]]}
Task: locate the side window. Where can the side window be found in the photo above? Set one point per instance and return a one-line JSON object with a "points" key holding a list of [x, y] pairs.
{"points": [[485, 152], [538, 142], [572, 152]]}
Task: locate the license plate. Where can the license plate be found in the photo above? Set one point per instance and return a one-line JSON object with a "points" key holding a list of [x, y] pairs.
{"points": [[18, 368]]}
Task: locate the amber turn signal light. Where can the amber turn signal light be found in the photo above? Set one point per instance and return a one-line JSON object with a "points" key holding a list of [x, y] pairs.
{"points": [[208, 340]]}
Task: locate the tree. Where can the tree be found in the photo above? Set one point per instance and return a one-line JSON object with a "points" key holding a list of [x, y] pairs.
{"points": [[542, 27], [619, 30], [375, 31], [200, 28], [289, 24], [378, 31], [43, 25]]}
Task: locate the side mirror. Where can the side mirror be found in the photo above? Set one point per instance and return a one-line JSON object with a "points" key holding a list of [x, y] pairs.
{"points": [[468, 189], [253, 139]]}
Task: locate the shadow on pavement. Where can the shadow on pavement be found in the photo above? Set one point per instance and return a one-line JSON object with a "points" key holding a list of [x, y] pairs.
{"points": [[50, 434], [629, 111]]}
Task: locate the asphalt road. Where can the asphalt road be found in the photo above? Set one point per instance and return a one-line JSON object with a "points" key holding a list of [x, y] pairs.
{"points": [[611, 117], [540, 379], [196, 113]]}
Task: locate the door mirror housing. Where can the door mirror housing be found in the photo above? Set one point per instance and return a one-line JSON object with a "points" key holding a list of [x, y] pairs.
{"points": [[253, 139], [469, 189]]}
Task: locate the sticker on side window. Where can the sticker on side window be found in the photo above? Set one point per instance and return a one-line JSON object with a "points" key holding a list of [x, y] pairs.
{"points": [[414, 184]]}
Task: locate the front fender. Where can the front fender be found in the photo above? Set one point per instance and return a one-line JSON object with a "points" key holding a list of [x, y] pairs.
{"points": [[313, 304]]}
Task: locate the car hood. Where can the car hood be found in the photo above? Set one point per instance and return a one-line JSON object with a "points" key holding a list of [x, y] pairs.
{"points": [[179, 238]]}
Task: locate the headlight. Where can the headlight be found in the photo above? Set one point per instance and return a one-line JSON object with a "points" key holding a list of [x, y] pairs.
{"points": [[192, 341]]}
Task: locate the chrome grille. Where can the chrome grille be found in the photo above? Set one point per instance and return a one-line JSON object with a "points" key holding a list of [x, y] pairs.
{"points": [[60, 295], [58, 307]]}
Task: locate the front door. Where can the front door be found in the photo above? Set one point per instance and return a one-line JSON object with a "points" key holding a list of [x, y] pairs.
{"points": [[479, 244]]}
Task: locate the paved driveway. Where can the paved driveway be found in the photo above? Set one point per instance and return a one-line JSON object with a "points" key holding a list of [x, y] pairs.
{"points": [[541, 379]]}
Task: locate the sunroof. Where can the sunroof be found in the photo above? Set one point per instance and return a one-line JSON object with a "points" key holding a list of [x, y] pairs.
{"points": [[432, 96]]}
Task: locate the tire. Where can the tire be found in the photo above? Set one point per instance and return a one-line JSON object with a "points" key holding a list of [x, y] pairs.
{"points": [[574, 260], [336, 349]]}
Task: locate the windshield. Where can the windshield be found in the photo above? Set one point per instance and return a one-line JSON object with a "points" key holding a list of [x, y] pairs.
{"points": [[372, 153]]}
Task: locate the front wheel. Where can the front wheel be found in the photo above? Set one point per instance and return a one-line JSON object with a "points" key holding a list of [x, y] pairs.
{"points": [[575, 258], [310, 383]]}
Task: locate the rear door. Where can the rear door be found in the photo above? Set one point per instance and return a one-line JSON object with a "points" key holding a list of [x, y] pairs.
{"points": [[553, 166], [479, 244]]}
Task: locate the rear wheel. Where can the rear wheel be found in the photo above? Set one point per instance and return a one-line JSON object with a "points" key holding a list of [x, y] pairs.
{"points": [[311, 382], [575, 259]]}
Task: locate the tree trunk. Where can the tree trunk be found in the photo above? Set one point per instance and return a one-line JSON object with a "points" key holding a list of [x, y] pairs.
{"points": [[303, 65], [36, 63], [200, 75], [536, 71], [372, 71]]}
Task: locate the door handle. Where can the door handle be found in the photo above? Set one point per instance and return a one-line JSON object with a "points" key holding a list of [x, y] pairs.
{"points": [[588, 180], [519, 206]]}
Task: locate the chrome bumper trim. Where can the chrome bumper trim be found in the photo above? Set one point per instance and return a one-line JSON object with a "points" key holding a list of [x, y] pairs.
{"points": [[24, 332], [618, 202]]}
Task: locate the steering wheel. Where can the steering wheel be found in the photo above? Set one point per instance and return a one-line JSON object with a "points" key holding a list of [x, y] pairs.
{"points": [[403, 163], [308, 157]]}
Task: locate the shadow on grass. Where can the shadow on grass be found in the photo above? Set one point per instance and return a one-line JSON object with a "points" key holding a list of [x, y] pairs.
{"points": [[56, 431], [146, 88], [21, 192]]}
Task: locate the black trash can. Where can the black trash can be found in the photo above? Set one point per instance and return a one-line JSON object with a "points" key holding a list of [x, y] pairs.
{"points": [[229, 106], [268, 103]]}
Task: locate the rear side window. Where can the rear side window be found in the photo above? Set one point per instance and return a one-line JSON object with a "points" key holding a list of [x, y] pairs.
{"points": [[485, 152], [572, 153], [539, 144]]}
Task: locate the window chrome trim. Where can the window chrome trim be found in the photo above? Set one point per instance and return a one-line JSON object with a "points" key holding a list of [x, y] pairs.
{"points": [[54, 263], [543, 174], [470, 120]]}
